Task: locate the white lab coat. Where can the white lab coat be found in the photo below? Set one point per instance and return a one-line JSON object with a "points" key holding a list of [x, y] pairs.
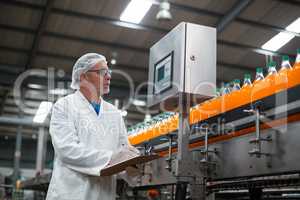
{"points": [[83, 144]]}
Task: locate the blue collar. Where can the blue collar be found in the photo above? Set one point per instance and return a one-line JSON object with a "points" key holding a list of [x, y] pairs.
{"points": [[96, 107]]}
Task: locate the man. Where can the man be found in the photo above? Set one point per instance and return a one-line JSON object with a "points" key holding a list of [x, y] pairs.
{"points": [[87, 134]]}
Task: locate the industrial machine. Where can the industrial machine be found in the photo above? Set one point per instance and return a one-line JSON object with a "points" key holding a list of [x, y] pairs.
{"points": [[241, 143], [182, 63]]}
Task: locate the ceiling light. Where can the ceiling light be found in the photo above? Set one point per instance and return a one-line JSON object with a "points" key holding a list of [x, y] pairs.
{"points": [[136, 10], [278, 41], [282, 38], [59, 91], [42, 111], [138, 102], [113, 61], [35, 86], [164, 11], [294, 26]]}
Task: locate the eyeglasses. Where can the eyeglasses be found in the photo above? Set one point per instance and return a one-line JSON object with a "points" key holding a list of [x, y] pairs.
{"points": [[102, 72]]}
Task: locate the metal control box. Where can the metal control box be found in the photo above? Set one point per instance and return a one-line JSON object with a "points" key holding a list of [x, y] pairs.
{"points": [[183, 62]]}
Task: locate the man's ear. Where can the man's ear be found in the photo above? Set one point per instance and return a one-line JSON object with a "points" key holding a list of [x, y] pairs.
{"points": [[82, 77]]}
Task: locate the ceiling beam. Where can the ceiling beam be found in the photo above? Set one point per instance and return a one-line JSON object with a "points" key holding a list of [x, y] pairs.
{"points": [[291, 2], [266, 26], [96, 42], [232, 14], [108, 20], [235, 66], [13, 69], [41, 28], [244, 21], [253, 48], [10, 69]]}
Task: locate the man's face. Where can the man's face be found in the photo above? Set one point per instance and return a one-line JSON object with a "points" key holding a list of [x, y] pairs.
{"points": [[98, 77]]}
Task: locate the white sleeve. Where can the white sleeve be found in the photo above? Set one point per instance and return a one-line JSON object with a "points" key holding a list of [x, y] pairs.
{"points": [[69, 149], [131, 179], [123, 139]]}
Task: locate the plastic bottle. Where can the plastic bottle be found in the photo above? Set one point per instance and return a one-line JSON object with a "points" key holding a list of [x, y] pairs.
{"points": [[282, 81], [259, 85], [297, 62], [271, 79], [222, 90], [285, 64], [247, 80], [217, 93], [245, 95], [236, 85], [226, 89], [294, 73], [272, 68], [259, 74]]}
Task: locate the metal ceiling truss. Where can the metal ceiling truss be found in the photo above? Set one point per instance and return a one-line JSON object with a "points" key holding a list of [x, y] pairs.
{"points": [[232, 14], [41, 28], [291, 2]]}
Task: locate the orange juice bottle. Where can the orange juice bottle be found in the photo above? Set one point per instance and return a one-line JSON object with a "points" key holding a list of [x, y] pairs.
{"points": [[225, 97], [282, 78], [194, 115], [205, 109], [259, 75], [297, 62], [236, 85], [212, 105], [294, 74], [259, 85], [246, 90], [247, 81], [233, 99], [215, 103], [271, 79]]}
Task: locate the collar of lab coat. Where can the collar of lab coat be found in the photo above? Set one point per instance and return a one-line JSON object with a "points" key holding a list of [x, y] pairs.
{"points": [[89, 104]]}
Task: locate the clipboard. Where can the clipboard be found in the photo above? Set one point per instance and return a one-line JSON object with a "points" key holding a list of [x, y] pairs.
{"points": [[121, 166]]}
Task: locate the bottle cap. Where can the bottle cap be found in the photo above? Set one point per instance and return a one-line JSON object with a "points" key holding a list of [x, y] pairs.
{"points": [[272, 64], [259, 70], [248, 76], [285, 58], [236, 81]]}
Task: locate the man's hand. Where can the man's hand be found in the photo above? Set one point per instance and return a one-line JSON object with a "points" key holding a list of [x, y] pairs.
{"points": [[125, 153], [134, 150]]}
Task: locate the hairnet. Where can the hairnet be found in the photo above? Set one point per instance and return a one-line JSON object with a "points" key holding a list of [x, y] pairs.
{"points": [[82, 65]]}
